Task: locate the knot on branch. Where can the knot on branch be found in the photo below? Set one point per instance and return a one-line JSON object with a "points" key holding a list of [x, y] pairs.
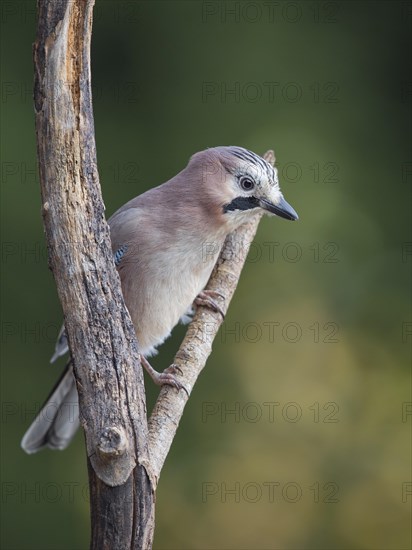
{"points": [[113, 457], [112, 442]]}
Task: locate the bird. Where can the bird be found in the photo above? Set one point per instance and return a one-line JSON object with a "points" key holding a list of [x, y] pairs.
{"points": [[165, 244]]}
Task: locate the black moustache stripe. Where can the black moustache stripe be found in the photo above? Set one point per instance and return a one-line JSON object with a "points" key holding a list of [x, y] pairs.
{"points": [[241, 203]]}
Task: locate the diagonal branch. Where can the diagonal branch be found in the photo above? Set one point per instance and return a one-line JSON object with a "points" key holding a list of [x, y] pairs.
{"points": [[197, 345]]}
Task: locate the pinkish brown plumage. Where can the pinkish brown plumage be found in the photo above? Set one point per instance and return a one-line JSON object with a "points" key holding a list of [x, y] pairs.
{"points": [[165, 244]]}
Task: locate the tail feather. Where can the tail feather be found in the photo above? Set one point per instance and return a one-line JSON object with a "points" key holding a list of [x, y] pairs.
{"points": [[58, 419]]}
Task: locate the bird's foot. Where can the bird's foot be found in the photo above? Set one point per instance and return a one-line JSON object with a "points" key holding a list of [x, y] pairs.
{"points": [[206, 298], [167, 377]]}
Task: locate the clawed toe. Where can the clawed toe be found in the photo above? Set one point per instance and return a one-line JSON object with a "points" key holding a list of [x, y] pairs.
{"points": [[170, 380], [212, 294], [167, 377], [205, 298], [173, 369]]}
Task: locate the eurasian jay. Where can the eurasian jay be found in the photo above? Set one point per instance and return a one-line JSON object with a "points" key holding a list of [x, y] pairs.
{"points": [[159, 242]]}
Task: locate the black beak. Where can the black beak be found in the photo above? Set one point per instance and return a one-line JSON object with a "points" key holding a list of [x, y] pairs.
{"points": [[282, 209]]}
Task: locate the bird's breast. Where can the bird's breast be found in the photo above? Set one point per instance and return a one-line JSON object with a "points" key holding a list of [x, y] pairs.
{"points": [[160, 288]]}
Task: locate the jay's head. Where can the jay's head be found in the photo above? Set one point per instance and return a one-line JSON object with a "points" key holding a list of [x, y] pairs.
{"points": [[238, 183]]}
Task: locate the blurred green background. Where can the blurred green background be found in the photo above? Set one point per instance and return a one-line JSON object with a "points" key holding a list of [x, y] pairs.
{"points": [[297, 435]]}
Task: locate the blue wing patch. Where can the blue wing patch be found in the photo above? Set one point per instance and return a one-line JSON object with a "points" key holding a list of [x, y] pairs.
{"points": [[118, 255]]}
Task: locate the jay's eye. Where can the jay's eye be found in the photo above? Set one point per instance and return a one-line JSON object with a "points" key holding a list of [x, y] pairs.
{"points": [[246, 184]]}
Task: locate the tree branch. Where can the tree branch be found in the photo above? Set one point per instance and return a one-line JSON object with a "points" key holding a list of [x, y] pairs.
{"points": [[197, 345]]}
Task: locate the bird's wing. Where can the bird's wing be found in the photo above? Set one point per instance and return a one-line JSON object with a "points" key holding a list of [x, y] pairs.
{"points": [[62, 346]]}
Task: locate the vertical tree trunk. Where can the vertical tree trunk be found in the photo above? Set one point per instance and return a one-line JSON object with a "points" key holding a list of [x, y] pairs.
{"points": [[100, 333]]}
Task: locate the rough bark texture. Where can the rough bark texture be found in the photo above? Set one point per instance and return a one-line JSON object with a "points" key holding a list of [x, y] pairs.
{"points": [[100, 332], [125, 453]]}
